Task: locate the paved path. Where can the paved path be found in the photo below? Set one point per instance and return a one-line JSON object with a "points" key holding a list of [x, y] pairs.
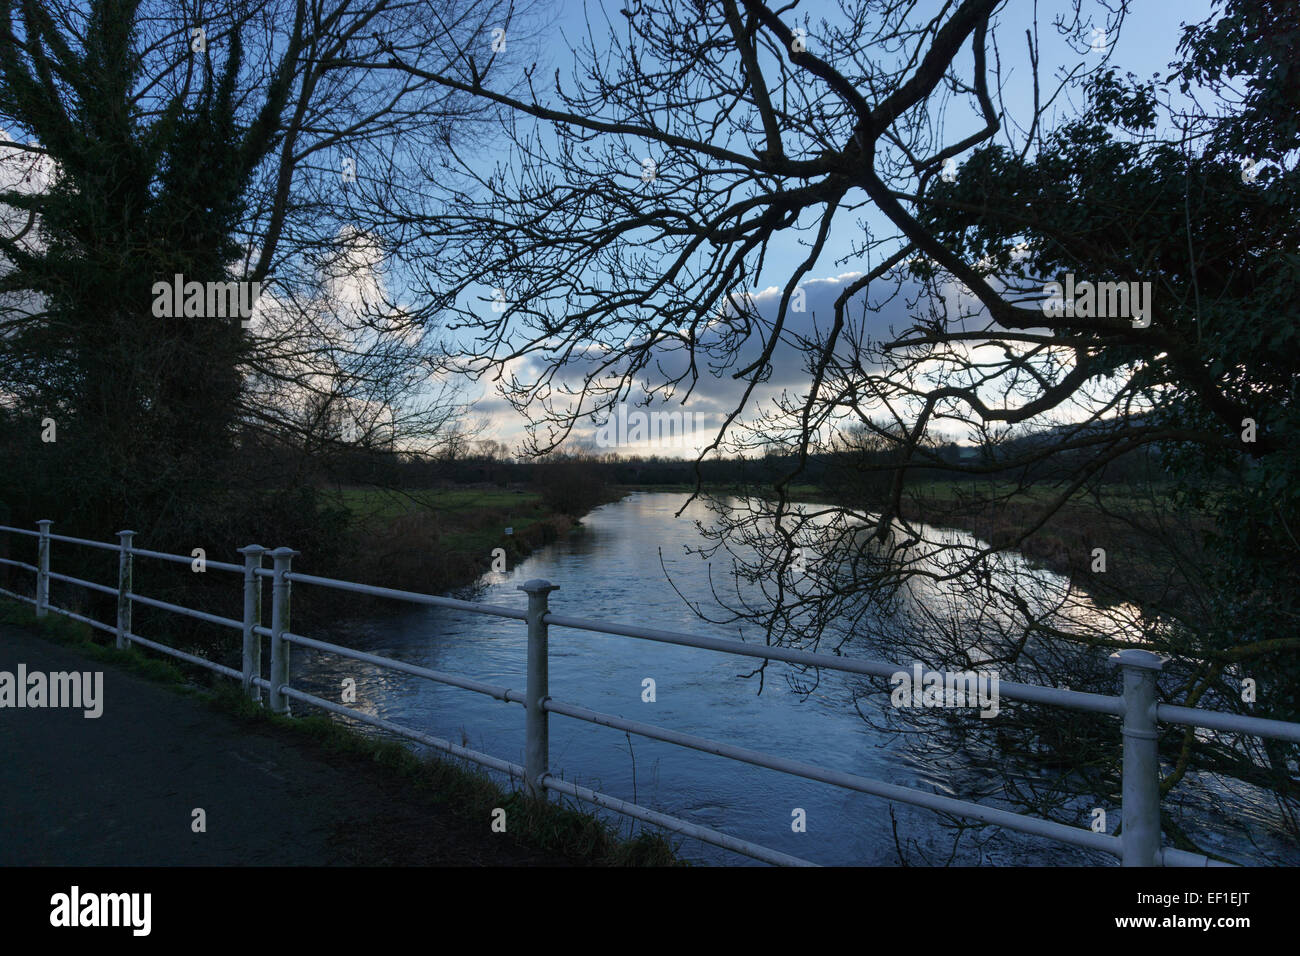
{"points": [[120, 789]]}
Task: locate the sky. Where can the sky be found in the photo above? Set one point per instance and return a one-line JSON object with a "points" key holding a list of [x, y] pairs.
{"points": [[1144, 46]]}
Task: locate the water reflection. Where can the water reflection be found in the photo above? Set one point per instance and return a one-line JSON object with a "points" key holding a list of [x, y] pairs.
{"points": [[612, 571]]}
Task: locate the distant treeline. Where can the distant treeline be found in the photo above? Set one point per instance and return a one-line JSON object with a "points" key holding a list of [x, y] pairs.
{"points": [[839, 471]]}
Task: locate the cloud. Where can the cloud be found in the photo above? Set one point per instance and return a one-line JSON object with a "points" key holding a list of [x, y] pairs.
{"points": [[887, 310], [713, 396]]}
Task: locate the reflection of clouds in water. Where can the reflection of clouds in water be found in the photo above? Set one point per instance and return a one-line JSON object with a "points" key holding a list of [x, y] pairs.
{"points": [[935, 591], [940, 588], [612, 572]]}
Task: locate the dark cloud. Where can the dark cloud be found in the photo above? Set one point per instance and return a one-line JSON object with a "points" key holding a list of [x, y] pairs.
{"points": [[886, 309]]}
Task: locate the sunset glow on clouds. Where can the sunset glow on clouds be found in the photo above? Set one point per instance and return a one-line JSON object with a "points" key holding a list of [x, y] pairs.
{"points": [[896, 308]]}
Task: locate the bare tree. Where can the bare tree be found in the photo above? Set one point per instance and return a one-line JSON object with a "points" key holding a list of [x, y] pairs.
{"points": [[646, 197], [222, 143]]}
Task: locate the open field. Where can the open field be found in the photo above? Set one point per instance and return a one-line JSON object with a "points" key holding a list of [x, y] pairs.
{"points": [[461, 519], [437, 539], [434, 540]]}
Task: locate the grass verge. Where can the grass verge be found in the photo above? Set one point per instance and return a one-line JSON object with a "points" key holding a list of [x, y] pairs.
{"points": [[437, 540]]}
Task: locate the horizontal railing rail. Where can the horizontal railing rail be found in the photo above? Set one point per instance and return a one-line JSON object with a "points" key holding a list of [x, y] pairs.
{"points": [[412, 596], [1138, 844], [1078, 700]]}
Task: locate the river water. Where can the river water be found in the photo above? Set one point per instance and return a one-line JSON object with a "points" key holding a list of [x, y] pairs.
{"points": [[612, 572]]}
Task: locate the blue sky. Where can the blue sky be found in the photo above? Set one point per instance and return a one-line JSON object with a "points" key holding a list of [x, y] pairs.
{"points": [[554, 29], [1144, 46]]}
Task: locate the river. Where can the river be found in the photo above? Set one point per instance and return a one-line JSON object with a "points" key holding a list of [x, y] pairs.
{"points": [[612, 572]]}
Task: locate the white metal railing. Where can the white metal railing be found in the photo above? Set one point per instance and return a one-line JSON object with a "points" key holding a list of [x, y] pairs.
{"points": [[1139, 844]]}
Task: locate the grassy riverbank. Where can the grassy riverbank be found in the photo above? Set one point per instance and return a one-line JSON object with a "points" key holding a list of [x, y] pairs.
{"points": [[439, 539]]}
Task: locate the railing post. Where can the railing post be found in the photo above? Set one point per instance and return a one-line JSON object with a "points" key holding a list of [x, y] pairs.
{"points": [[537, 736], [252, 618], [124, 571], [280, 589], [1140, 838], [43, 568]]}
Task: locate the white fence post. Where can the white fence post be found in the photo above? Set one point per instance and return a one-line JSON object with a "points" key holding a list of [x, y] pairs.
{"points": [[124, 573], [43, 568], [280, 590], [252, 618], [537, 735], [1140, 838]]}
